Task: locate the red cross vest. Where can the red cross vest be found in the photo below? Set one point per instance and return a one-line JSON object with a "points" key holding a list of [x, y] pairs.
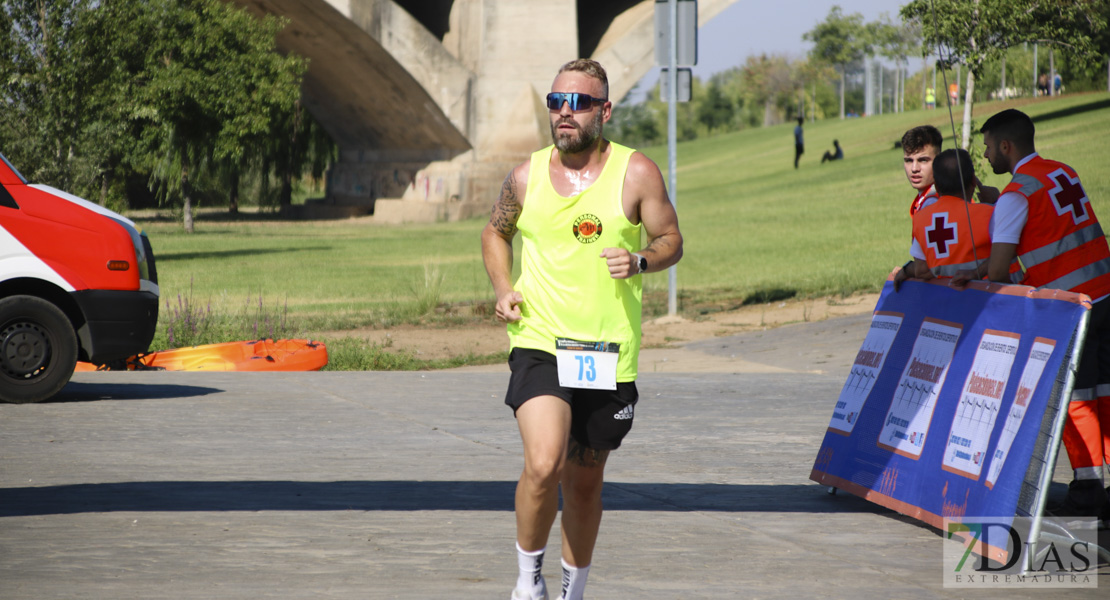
{"points": [[949, 240], [1062, 245], [921, 198]]}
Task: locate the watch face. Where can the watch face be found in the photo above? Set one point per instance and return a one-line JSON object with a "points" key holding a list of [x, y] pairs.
{"points": [[643, 264]]}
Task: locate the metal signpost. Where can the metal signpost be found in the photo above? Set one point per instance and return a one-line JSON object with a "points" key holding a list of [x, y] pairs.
{"points": [[676, 43]]}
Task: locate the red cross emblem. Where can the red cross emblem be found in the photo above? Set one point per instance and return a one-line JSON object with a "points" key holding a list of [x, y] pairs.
{"points": [[939, 235], [1068, 196]]}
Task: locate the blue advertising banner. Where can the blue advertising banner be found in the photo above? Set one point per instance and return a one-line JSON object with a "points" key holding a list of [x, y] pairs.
{"points": [[940, 415]]}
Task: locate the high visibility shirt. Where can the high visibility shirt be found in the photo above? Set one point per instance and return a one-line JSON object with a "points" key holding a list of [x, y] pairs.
{"points": [[567, 289], [952, 234], [921, 198], [1062, 245]]}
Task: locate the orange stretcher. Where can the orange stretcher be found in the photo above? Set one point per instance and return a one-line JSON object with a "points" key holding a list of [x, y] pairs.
{"points": [[257, 355]]}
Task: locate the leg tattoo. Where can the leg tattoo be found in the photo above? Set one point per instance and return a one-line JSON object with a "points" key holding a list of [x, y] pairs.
{"points": [[586, 457]]}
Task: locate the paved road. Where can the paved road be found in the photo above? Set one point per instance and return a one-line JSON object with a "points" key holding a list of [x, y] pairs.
{"points": [[399, 485]]}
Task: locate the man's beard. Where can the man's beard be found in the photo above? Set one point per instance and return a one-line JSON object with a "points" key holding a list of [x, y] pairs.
{"points": [[586, 135], [998, 167]]}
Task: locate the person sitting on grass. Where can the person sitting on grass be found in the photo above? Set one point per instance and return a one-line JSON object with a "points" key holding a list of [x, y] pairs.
{"points": [[837, 155]]}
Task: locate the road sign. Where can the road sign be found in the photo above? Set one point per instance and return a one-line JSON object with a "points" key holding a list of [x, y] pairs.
{"points": [[687, 33], [685, 83]]}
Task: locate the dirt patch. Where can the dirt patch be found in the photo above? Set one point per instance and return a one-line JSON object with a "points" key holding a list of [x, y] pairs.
{"points": [[434, 342], [670, 332], [664, 341]]}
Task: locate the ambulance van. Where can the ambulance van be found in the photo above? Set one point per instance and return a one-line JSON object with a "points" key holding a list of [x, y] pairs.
{"points": [[77, 282]]}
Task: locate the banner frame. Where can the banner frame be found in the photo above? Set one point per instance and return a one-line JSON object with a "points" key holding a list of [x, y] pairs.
{"points": [[1051, 436], [1057, 436]]}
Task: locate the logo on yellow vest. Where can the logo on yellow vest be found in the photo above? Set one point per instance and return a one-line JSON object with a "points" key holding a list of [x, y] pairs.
{"points": [[587, 228]]}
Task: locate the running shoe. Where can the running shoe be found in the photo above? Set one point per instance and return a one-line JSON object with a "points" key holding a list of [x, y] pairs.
{"points": [[519, 594]]}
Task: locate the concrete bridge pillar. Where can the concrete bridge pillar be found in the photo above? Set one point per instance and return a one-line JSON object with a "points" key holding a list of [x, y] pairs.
{"points": [[513, 49], [431, 113]]}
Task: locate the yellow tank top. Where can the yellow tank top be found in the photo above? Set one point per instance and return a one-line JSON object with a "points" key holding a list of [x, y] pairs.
{"points": [[565, 283]]}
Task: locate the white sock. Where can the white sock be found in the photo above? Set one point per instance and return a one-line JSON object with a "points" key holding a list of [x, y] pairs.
{"points": [[1089, 473], [574, 581], [530, 578]]}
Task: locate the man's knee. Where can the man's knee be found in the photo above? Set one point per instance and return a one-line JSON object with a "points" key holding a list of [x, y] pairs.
{"points": [[544, 425], [544, 470]]}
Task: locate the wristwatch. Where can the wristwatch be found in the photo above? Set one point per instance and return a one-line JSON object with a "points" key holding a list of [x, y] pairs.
{"points": [[641, 262]]}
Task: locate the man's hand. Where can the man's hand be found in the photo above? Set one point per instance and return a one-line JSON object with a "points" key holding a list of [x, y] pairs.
{"points": [[899, 277], [960, 279], [621, 263], [987, 194], [508, 307]]}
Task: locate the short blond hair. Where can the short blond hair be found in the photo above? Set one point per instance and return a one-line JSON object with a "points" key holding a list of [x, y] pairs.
{"points": [[591, 68]]}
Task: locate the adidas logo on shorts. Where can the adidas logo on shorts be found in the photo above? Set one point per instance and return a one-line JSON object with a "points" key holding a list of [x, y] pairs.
{"points": [[624, 414]]}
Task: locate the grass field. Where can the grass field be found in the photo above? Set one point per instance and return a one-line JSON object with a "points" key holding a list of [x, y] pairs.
{"points": [[754, 228]]}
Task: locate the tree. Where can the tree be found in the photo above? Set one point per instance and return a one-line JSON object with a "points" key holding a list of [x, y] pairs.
{"points": [[217, 85], [299, 143], [839, 40], [730, 84], [179, 91], [979, 31], [634, 125], [111, 43], [716, 110], [806, 75], [1094, 65], [896, 41], [769, 86], [686, 117], [43, 124]]}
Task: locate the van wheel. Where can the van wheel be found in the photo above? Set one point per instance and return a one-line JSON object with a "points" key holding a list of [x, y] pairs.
{"points": [[38, 349]]}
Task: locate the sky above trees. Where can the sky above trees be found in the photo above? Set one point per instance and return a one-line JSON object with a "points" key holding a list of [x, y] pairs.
{"points": [[750, 28]]}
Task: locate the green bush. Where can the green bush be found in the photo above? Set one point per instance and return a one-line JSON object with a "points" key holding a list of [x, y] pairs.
{"points": [[184, 322]]}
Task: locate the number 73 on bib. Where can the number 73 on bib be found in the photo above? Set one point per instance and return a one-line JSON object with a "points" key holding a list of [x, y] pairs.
{"points": [[587, 365]]}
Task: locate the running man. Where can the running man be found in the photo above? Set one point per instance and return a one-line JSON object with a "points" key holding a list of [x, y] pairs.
{"points": [[574, 314]]}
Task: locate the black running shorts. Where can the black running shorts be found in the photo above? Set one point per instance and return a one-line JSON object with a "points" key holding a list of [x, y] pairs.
{"points": [[599, 418]]}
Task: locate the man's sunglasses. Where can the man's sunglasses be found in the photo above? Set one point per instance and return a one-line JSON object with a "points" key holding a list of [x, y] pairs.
{"points": [[577, 101]]}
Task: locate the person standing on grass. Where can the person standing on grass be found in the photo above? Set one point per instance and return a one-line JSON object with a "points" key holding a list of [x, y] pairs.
{"points": [[799, 143], [1044, 219], [950, 233], [573, 316], [920, 146]]}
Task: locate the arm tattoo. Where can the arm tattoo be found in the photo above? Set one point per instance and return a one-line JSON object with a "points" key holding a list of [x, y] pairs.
{"points": [[507, 209], [586, 457], [654, 246]]}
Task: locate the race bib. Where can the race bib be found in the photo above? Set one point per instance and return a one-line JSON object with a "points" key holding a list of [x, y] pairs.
{"points": [[587, 365]]}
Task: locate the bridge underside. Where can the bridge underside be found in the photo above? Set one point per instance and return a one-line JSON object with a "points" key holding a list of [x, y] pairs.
{"points": [[355, 88], [432, 101]]}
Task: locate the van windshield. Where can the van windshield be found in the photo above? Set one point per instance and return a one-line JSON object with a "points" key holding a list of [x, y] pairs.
{"points": [[14, 170]]}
